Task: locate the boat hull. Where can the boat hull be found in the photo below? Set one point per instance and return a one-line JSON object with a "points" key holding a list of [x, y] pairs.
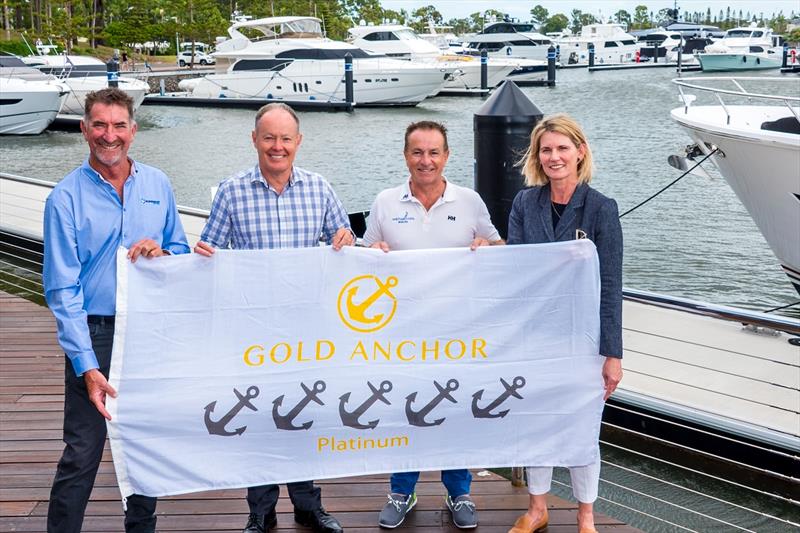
{"points": [[82, 86], [375, 82], [710, 62], [27, 108], [760, 166]]}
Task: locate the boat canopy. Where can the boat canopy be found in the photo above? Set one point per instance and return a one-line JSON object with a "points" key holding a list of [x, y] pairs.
{"points": [[279, 28]]}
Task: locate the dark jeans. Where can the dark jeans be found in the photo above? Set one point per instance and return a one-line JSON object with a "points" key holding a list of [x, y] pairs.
{"points": [[455, 481], [84, 437], [304, 495]]}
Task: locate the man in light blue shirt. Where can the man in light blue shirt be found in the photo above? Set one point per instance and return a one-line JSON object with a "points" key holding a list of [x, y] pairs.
{"points": [[107, 202], [278, 205]]}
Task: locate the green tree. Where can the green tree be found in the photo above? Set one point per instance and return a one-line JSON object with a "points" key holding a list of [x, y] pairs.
{"points": [[460, 25], [640, 17], [539, 15], [622, 17], [422, 16], [575, 23], [369, 11], [556, 23]]}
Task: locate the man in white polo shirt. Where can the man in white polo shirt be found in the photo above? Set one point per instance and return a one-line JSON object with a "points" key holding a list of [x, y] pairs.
{"points": [[427, 211]]}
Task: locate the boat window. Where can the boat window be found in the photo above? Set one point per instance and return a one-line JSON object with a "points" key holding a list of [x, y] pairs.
{"points": [[628, 41], [381, 36], [676, 36], [756, 49], [527, 28], [738, 33], [521, 43], [11, 61], [611, 44], [320, 54], [489, 47], [261, 64], [758, 34], [653, 39], [499, 28]]}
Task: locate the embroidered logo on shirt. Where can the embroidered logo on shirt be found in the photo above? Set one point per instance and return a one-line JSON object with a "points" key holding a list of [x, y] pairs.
{"points": [[152, 202], [451, 217], [405, 219]]}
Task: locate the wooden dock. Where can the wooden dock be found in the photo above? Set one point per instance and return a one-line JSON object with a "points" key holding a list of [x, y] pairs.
{"points": [[31, 404]]}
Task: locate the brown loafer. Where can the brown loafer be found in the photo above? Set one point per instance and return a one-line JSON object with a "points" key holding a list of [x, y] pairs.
{"points": [[525, 524]]}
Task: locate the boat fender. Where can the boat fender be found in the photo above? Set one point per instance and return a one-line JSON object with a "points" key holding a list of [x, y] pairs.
{"points": [[744, 59], [793, 53], [638, 55], [758, 61], [508, 51]]}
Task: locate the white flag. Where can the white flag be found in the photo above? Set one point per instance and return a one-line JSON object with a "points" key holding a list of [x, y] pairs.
{"points": [[269, 366]]}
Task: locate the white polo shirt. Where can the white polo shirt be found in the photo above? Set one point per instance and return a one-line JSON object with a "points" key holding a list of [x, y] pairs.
{"points": [[455, 220]]}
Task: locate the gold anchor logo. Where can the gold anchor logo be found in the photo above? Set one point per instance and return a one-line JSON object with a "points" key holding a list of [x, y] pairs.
{"points": [[373, 312]]}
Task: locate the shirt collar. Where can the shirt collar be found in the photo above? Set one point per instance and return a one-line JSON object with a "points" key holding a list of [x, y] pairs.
{"points": [[447, 196], [294, 177], [98, 178]]}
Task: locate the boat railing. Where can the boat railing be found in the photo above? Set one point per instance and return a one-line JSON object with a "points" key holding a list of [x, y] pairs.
{"points": [[701, 84]]}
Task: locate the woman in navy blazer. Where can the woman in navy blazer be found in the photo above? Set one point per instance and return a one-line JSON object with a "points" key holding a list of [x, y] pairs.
{"points": [[560, 206]]}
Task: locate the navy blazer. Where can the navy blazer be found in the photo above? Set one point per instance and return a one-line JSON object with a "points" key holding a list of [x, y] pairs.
{"points": [[531, 222]]}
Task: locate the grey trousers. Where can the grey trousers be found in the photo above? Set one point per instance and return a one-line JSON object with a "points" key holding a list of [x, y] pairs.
{"points": [[84, 438]]}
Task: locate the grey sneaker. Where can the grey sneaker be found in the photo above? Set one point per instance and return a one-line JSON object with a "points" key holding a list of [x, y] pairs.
{"points": [[396, 509], [462, 508]]}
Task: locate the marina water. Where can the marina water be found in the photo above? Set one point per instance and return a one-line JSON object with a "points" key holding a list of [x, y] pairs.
{"points": [[695, 240]]}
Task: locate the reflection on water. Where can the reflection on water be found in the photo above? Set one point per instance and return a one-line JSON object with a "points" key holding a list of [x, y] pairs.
{"points": [[695, 240]]}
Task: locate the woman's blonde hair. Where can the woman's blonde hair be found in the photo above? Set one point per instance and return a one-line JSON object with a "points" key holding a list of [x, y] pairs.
{"points": [[565, 125]]}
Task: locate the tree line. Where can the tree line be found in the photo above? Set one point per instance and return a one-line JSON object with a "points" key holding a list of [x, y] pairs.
{"points": [[119, 23]]}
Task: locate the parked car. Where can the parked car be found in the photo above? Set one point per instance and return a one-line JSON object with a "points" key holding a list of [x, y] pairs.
{"points": [[185, 58]]}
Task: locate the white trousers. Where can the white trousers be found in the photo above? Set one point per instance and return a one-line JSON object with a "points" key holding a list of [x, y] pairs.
{"points": [[585, 480]]}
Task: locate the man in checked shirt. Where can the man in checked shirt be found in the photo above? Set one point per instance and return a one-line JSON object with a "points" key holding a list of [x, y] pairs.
{"points": [[277, 205]]}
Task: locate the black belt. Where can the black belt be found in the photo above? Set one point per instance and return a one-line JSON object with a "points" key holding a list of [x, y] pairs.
{"points": [[100, 319]]}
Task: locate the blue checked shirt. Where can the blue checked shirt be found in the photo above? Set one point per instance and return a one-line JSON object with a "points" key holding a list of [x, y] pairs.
{"points": [[248, 214]]}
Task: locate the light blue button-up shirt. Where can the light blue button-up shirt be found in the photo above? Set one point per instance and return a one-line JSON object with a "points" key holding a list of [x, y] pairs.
{"points": [[84, 224]]}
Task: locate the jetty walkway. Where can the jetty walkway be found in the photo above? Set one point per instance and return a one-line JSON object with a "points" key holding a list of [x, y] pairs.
{"points": [[31, 406]]}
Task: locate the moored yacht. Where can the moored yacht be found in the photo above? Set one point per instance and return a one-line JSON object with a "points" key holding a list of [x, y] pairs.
{"points": [[611, 45], [402, 42], [749, 48], [82, 74], [511, 39], [27, 107], [288, 58], [757, 152]]}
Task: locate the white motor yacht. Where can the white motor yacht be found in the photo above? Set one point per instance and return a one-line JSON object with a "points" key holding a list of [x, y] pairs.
{"points": [[83, 74], [666, 42], [749, 48], [757, 143], [402, 42], [27, 107], [611, 45], [511, 39], [287, 58]]}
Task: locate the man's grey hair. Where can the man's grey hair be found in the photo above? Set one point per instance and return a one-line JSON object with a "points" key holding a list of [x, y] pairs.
{"points": [[272, 107], [108, 96]]}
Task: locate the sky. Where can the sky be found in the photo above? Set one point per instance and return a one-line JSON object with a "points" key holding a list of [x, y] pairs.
{"points": [[521, 8]]}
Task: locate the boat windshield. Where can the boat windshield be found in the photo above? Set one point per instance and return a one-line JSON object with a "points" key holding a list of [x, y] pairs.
{"points": [[407, 35], [285, 29], [738, 33]]}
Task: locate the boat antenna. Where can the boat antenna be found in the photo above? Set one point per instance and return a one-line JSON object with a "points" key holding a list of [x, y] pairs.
{"points": [[28, 45]]}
